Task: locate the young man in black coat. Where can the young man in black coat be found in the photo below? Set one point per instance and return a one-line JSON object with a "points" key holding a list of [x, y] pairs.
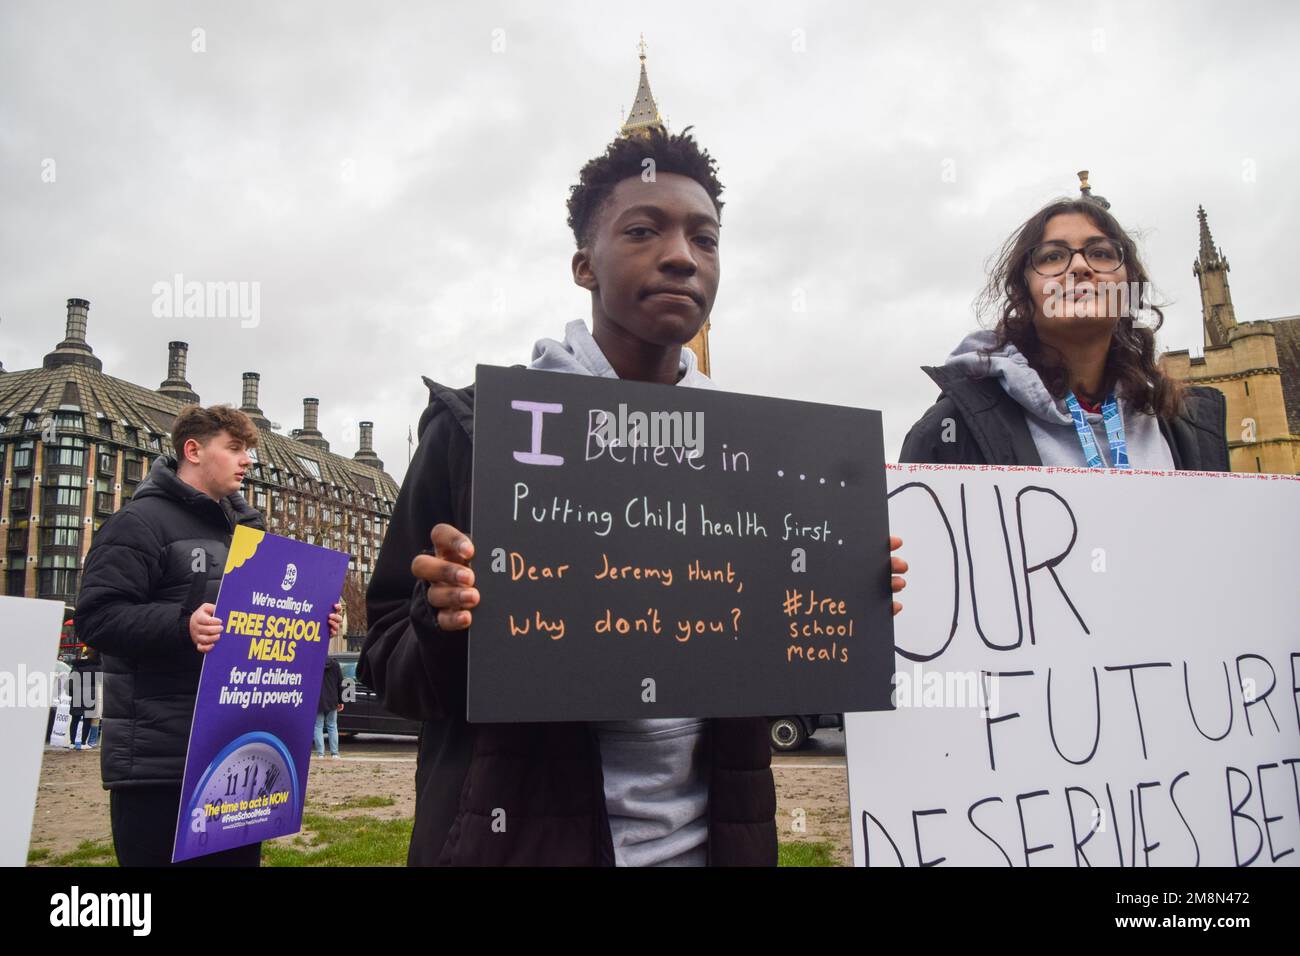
{"points": [[146, 604], [665, 792]]}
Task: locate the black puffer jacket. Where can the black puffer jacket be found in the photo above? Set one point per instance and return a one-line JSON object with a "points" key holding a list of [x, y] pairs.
{"points": [[149, 567], [546, 777]]}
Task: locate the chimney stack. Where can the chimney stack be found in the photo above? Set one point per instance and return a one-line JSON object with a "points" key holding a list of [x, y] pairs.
{"points": [[366, 453], [73, 350], [249, 404], [176, 386], [78, 310], [310, 434]]}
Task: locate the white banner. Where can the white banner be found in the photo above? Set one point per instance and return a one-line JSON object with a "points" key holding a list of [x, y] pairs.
{"points": [[29, 647], [1093, 669]]}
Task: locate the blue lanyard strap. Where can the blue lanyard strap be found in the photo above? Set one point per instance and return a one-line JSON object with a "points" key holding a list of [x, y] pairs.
{"points": [[1114, 433]]}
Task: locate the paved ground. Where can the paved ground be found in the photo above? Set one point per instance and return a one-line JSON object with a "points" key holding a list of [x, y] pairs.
{"points": [[72, 806]]}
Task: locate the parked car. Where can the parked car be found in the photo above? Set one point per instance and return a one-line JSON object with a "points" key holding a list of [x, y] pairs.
{"points": [[792, 732], [362, 713]]}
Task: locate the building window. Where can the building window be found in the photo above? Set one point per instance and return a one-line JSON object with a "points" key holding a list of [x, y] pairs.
{"points": [[15, 579], [133, 468], [105, 428], [23, 456], [61, 498], [104, 502], [133, 436], [57, 583], [68, 453], [312, 467], [60, 537], [107, 463]]}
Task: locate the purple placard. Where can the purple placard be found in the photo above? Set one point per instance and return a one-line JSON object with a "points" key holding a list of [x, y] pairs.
{"points": [[250, 740]]}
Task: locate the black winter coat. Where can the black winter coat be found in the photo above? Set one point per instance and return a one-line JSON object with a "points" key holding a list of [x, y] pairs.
{"points": [[991, 429], [150, 565], [331, 686], [546, 777]]}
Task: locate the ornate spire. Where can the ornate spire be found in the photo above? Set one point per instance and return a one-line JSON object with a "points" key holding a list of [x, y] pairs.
{"points": [[644, 114], [1085, 191], [1211, 271], [1210, 256]]}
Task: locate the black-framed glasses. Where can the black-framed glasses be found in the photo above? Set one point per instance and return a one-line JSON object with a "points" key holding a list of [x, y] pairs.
{"points": [[1052, 259]]}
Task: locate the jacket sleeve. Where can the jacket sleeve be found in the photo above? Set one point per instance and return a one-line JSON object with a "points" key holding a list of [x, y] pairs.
{"points": [[418, 669], [114, 612]]}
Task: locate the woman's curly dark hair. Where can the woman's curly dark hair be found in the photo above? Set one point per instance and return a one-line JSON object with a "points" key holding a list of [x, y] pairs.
{"points": [[625, 158], [1131, 365]]}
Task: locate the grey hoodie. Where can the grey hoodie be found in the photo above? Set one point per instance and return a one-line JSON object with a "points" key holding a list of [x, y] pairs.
{"points": [[1049, 420], [655, 793]]}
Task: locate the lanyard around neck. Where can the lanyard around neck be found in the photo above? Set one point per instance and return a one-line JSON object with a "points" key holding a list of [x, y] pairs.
{"points": [[1114, 433]]}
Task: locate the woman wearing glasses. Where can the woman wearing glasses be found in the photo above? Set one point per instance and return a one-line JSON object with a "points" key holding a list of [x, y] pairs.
{"points": [[1068, 374]]}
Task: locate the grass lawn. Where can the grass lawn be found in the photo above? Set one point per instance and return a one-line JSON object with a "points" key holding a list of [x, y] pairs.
{"points": [[362, 841], [804, 854]]}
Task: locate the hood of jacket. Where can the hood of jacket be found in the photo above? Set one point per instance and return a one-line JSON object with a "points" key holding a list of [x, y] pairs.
{"points": [[975, 357], [579, 354]]}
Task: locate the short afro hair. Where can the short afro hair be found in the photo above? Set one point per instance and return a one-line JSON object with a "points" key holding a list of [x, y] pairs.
{"points": [[624, 158]]}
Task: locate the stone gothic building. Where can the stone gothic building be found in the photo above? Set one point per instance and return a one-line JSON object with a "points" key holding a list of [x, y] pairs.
{"points": [[1255, 364]]}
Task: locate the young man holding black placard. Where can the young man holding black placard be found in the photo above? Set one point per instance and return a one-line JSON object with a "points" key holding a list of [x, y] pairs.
{"points": [[675, 792]]}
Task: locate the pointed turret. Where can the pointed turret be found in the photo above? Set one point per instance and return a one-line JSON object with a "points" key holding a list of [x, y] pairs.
{"points": [[645, 112], [1211, 271]]}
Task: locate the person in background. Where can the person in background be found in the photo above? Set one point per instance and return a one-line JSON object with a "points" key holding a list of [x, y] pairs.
{"points": [[96, 713], [1068, 374], [329, 708], [81, 683]]}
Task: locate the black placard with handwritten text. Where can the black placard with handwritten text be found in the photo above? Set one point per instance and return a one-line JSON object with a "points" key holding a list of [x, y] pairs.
{"points": [[647, 550]]}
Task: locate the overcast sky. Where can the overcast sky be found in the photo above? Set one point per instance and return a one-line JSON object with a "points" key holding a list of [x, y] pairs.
{"points": [[394, 175]]}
